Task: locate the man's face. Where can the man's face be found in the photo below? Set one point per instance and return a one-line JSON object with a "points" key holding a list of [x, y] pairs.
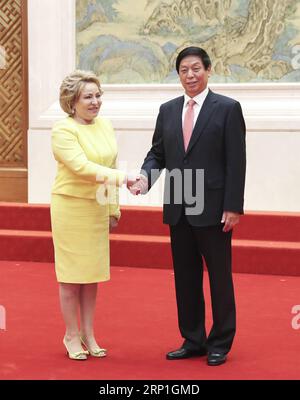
{"points": [[193, 76]]}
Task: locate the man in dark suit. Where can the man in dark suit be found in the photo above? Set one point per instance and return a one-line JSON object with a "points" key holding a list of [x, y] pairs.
{"points": [[200, 131]]}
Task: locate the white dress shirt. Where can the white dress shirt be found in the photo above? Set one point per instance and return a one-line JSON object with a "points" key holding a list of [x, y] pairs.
{"points": [[199, 99]]}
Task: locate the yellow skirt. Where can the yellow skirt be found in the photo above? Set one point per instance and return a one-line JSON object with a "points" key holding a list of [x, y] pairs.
{"points": [[80, 230]]}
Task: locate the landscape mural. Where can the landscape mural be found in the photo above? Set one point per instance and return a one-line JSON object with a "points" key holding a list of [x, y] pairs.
{"points": [[137, 41]]}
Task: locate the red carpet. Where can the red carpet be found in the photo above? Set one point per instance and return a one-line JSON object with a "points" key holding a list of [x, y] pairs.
{"points": [[263, 243], [136, 321]]}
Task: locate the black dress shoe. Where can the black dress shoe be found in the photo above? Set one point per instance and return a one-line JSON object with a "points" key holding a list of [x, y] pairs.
{"points": [[215, 358], [185, 353]]}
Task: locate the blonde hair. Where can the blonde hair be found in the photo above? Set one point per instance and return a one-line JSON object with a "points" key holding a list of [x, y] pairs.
{"points": [[72, 86]]}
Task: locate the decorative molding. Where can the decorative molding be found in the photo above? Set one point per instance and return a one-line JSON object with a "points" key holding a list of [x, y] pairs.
{"points": [[13, 78], [267, 107]]}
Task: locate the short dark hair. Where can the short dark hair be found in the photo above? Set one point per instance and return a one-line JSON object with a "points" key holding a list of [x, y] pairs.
{"points": [[193, 51]]}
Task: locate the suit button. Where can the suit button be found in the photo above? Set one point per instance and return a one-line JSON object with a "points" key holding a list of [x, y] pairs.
{"points": [[185, 162]]}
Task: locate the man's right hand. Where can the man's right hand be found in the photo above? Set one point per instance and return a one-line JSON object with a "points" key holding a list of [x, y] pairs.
{"points": [[131, 180], [140, 186]]}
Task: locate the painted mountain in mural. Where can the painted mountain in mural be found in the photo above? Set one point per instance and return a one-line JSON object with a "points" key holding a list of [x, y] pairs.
{"points": [[129, 41]]}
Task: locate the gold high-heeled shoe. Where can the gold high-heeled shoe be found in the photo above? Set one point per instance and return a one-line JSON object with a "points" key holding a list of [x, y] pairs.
{"points": [[78, 355], [96, 352]]}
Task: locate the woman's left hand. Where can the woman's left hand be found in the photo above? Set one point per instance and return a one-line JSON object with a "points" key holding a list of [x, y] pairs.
{"points": [[113, 223]]}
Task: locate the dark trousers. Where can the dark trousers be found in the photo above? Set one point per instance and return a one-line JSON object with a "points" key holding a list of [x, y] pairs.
{"points": [[189, 245]]}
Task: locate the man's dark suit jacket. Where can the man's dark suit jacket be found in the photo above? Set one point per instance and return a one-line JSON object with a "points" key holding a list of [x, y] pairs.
{"points": [[217, 146]]}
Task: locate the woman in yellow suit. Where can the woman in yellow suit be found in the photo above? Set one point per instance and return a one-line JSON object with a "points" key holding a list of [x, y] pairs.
{"points": [[85, 149]]}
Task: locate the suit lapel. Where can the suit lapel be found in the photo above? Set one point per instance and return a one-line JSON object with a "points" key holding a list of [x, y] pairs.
{"points": [[206, 111], [178, 123]]}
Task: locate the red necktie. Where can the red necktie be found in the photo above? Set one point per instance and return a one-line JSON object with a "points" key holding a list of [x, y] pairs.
{"points": [[188, 123]]}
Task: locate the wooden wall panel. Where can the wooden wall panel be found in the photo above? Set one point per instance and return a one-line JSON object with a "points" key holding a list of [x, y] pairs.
{"points": [[13, 100]]}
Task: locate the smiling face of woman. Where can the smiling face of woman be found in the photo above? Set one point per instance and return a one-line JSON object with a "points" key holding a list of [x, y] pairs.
{"points": [[88, 104]]}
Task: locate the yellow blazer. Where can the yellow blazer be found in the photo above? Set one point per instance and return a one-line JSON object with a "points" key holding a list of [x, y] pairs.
{"points": [[86, 159]]}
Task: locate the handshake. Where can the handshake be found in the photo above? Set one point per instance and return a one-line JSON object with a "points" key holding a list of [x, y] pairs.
{"points": [[137, 184]]}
